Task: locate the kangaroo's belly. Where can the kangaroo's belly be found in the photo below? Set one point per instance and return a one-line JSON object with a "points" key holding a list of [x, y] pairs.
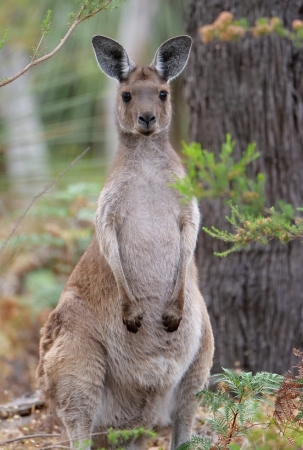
{"points": [[144, 370]]}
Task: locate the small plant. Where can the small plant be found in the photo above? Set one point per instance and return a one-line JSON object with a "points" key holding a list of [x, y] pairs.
{"points": [[117, 437], [236, 409]]}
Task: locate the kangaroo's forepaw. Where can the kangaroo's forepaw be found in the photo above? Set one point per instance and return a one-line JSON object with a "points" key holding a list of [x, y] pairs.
{"points": [[171, 321], [132, 319]]}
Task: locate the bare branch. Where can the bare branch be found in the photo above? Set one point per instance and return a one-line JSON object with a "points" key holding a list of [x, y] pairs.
{"points": [[35, 62], [30, 436], [47, 188]]}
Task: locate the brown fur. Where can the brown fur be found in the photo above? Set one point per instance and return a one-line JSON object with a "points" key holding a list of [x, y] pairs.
{"points": [[139, 269]]}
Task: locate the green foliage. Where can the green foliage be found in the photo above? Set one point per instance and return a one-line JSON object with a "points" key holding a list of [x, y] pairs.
{"points": [[281, 224], [197, 443], [63, 227], [267, 438], [224, 178], [235, 407], [43, 288], [64, 219], [237, 404], [4, 39], [117, 437], [91, 7], [67, 218], [83, 445], [46, 23]]}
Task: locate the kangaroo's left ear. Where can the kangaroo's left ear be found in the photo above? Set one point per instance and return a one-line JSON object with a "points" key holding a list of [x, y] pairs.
{"points": [[171, 57]]}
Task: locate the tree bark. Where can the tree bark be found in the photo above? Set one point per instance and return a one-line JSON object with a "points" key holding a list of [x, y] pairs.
{"points": [[252, 89]]}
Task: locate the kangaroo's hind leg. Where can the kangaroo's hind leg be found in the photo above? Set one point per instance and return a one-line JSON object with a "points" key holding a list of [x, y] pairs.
{"points": [[72, 369], [195, 379]]}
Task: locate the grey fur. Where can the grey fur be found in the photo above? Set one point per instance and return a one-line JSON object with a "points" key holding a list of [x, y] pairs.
{"points": [[130, 343], [172, 56]]}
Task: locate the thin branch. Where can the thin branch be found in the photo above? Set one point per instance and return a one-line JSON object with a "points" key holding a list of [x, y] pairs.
{"points": [[30, 436], [37, 48], [47, 188], [35, 62]]}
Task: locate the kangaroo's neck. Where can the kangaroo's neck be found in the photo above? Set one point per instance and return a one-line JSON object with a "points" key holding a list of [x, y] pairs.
{"points": [[135, 143]]}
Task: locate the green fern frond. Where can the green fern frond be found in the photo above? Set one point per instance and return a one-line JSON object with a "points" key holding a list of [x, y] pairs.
{"points": [[197, 443]]}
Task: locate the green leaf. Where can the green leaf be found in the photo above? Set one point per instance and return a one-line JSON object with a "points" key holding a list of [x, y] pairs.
{"points": [[4, 39], [46, 23]]}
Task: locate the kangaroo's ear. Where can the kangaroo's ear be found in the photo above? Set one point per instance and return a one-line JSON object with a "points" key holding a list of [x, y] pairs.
{"points": [[112, 58], [171, 57]]}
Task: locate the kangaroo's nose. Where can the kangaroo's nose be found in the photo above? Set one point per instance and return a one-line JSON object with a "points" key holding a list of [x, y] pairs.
{"points": [[146, 119]]}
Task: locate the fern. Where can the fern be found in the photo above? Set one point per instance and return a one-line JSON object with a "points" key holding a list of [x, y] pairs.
{"points": [[235, 406], [197, 443]]}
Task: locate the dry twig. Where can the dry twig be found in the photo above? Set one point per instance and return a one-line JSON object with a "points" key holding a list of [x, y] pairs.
{"points": [[30, 436]]}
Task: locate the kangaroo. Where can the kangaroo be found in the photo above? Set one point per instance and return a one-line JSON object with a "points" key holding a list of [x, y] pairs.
{"points": [[130, 343]]}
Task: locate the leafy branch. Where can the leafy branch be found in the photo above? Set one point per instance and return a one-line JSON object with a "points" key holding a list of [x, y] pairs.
{"points": [[281, 224], [224, 178], [88, 9]]}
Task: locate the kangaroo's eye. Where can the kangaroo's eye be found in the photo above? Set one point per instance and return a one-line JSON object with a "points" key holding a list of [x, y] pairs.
{"points": [[163, 95], [126, 97]]}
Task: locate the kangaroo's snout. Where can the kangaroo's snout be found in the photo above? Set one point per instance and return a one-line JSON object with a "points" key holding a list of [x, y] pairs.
{"points": [[147, 122], [147, 119]]}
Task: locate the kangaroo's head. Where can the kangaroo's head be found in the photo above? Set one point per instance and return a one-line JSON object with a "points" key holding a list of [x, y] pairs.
{"points": [[143, 101]]}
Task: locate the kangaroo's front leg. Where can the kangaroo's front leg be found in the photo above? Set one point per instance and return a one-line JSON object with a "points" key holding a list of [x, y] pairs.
{"points": [[131, 312], [189, 225]]}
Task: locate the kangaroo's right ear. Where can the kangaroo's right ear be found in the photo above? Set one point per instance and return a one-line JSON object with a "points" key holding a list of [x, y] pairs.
{"points": [[112, 58]]}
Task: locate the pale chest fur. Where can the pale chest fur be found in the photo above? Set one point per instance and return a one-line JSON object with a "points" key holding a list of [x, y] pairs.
{"points": [[147, 211]]}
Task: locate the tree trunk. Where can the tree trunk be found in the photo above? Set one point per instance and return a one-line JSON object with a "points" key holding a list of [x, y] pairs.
{"points": [[252, 89]]}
